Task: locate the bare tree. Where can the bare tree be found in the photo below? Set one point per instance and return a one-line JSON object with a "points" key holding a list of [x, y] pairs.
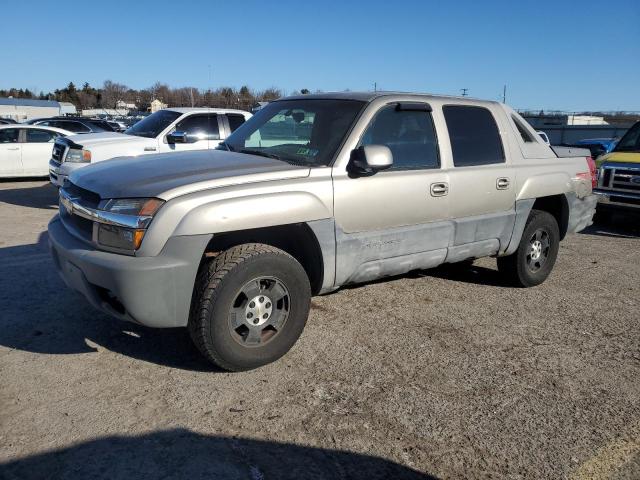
{"points": [[111, 93]]}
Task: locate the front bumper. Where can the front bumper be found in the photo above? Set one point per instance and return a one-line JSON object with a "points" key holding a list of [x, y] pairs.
{"points": [[59, 172], [152, 291], [613, 199]]}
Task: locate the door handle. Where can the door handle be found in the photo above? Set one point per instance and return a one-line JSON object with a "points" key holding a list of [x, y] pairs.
{"points": [[502, 183], [13, 148], [439, 189]]}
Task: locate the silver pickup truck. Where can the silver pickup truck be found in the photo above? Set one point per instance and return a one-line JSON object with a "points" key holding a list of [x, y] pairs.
{"points": [[312, 193]]}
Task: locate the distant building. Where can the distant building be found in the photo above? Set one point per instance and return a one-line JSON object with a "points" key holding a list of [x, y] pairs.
{"points": [[22, 109], [258, 106], [157, 105], [105, 112], [540, 121], [122, 105], [585, 120], [67, 108]]}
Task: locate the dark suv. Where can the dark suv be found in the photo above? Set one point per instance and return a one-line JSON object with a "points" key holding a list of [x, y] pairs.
{"points": [[75, 124]]}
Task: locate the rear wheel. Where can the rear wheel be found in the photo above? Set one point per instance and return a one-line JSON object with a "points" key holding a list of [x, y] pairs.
{"points": [[536, 255], [249, 306]]}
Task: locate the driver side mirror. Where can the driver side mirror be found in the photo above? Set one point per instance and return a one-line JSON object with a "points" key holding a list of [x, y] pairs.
{"points": [[369, 159], [177, 137]]}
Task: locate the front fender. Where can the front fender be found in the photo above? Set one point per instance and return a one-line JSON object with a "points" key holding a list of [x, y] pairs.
{"points": [[255, 211], [239, 208]]}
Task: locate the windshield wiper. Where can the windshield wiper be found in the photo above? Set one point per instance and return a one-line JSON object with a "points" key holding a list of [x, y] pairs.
{"points": [[262, 153]]}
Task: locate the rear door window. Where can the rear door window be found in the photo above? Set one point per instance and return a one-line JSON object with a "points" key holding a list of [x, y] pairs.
{"points": [[40, 136], [235, 120], [203, 127], [475, 139]]}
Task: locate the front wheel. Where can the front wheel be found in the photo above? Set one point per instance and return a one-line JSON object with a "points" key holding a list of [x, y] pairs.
{"points": [[536, 255], [250, 305]]}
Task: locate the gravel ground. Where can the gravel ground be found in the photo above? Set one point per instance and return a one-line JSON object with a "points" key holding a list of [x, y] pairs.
{"points": [[445, 373]]}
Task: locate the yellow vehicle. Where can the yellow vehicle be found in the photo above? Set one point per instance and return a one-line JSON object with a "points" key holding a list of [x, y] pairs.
{"points": [[619, 173]]}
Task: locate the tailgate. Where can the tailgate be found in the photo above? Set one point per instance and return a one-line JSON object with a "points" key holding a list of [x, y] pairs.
{"points": [[570, 151]]}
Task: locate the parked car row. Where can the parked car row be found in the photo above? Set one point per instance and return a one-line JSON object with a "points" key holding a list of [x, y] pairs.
{"points": [[74, 124], [168, 130], [30, 149], [24, 148]]}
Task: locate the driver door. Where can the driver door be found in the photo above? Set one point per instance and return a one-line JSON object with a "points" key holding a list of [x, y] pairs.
{"points": [[396, 220], [10, 153]]}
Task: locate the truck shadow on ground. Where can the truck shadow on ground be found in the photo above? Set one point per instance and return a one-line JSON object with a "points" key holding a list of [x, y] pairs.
{"points": [[623, 224], [467, 273], [43, 196], [41, 314], [181, 453]]}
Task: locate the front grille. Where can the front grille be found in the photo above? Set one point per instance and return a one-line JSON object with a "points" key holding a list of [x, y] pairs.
{"points": [[622, 179], [58, 152], [82, 227], [87, 197], [626, 179]]}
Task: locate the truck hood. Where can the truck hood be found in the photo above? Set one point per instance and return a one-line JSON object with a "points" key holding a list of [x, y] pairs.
{"points": [[619, 157], [92, 140], [169, 175]]}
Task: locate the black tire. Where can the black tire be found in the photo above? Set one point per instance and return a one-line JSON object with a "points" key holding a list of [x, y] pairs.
{"points": [[221, 291], [524, 268]]}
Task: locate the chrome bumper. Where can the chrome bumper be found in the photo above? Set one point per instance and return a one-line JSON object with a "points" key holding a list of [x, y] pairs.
{"points": [[611, 198], [59, 172]]}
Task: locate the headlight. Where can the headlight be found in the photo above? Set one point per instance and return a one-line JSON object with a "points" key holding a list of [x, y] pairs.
{"points": [[75, 155], [144, 207], [120, 237], [137, 212]]}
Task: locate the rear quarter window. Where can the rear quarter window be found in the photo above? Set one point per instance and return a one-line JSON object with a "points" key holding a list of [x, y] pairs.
{"points": [[475, 139]]}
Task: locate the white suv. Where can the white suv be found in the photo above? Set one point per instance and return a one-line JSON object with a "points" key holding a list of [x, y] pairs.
{"points": [[169, 130]]}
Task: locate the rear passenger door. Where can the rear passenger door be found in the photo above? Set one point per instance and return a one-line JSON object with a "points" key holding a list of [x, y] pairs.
{"points": [[481, 179], [36, 150]]}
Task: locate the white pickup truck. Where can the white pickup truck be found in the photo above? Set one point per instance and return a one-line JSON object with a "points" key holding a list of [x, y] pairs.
{"points": [[169, 130]]}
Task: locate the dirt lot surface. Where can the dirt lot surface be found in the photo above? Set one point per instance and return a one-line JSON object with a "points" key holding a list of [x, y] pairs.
{"points": [[445, 373]]}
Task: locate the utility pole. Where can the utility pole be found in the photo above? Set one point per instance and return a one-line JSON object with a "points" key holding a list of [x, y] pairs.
{"points": [[464, 91], [504, 94], [375, 86]]}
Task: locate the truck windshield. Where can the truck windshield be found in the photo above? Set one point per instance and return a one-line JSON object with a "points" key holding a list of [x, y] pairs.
{"points": [[155, 123], [302, 132], [631, 140]]}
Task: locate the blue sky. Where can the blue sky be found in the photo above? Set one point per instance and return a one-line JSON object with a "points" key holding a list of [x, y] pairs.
{"points": [[564, 55]]}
